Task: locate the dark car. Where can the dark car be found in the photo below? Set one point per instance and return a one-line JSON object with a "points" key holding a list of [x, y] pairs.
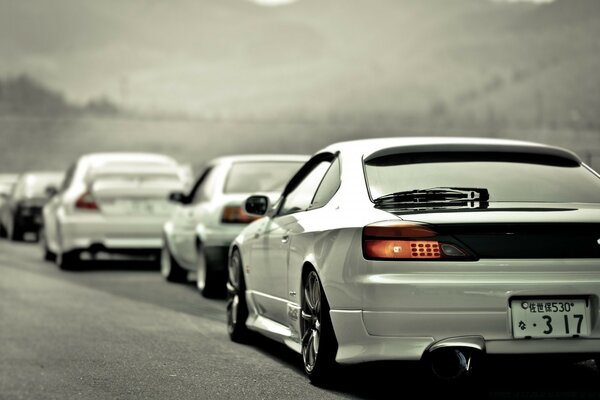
{"points": [[21, 211]]}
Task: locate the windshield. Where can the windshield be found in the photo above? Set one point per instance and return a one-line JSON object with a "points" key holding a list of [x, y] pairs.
{"points": [[507, 179], [254, 177]]}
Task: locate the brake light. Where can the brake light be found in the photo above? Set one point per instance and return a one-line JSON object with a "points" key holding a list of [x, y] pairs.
{"points": [[402, 249], [86, 202], [236, 215], [402, 240]]}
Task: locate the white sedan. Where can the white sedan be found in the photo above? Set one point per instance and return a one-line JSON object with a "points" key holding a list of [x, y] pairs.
{"points": [[110, 204], [434, 249]]}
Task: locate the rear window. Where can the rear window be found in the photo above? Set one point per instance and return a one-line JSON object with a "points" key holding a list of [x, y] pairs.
{"points": [[508, 177], [264, 176]]}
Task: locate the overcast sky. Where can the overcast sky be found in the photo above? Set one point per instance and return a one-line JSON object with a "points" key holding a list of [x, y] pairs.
{"points": [[190, 54]]}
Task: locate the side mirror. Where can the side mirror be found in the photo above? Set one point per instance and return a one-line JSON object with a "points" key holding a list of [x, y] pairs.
{"points": [[51, 191], [178, 197], [256, 205]]}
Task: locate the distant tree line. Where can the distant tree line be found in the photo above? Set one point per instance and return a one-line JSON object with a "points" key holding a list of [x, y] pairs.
{"points": [[24, 95]]}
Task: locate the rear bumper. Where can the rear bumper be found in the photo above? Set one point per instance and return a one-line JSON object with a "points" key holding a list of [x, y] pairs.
{"points": [[404, 308], [124, 235], [356, 344]]}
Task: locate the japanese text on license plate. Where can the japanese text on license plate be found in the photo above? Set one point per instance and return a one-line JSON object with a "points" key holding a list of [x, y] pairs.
{"points": [[549, 318]]}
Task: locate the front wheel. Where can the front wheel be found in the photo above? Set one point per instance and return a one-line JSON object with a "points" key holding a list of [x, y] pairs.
{"points": [[319, 345], [16, 233], [237, 308]]}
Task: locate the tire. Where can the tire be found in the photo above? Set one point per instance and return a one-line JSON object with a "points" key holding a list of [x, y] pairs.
{"points": [[2, 231], [48, 255], [237, 308], [169, 267], [67, 261], [16, 233], [210, 283], [319, 344]]}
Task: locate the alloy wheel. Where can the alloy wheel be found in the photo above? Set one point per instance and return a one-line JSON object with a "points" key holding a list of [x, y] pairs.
{"points": [[311, 321]]}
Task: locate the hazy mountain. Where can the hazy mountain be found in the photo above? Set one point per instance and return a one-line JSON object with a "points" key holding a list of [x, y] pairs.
{"points": [[24, 95], [521, 63]]}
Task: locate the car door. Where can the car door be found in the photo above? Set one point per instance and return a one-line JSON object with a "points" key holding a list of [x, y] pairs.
{"points": [[185, 219], [270, 252]]}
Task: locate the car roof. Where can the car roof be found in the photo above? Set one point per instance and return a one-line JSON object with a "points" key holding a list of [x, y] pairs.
{"points": [[372, 148], [258, 158], [128, 156]]}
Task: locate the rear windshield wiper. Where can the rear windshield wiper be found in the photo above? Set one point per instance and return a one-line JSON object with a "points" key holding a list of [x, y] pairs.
{"points": [[434, 197]]}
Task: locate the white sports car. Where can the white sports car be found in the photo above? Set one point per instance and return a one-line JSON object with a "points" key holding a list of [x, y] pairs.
{"points": [[435, 249], [210, 216]]}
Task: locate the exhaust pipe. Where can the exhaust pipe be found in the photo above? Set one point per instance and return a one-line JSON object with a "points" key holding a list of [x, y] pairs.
{"points": [[453, 359], [451, 364]]}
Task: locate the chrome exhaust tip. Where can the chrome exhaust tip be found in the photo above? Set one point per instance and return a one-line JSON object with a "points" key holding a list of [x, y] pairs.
{"points": [[451, 364], [455, 358]]}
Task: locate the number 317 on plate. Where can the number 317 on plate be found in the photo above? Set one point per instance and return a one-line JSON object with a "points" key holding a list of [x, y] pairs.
{"points": [[549, 318]]}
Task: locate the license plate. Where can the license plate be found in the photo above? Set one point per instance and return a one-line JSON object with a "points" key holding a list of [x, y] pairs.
{"points": [[549, 318], [138, 207]]}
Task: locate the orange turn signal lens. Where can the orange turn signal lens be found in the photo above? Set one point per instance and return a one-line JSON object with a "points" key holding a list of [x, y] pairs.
{"points": [[408, 240], [402, 249], [237, 215]]}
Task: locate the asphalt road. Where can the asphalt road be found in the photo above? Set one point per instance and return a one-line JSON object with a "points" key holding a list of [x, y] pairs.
{"points": [[118, 331]]}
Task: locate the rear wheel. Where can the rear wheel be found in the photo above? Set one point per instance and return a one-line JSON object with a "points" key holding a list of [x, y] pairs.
{"points": [[210, 283], [68, 260], [169, 268], [237, 309], [319, 345], [16, 233]]}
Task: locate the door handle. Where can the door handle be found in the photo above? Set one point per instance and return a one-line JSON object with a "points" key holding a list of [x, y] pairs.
{"points": [[285, 239]]}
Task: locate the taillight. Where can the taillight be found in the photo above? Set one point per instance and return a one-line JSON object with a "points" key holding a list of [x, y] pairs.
{"points": [[403, 240], [236, 215], [86, 202]]}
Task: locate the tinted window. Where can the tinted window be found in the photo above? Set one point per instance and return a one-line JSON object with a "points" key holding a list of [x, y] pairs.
{"points": [[301, 197], [508, 178], [253, 177], [197, 186], [329, 185]]}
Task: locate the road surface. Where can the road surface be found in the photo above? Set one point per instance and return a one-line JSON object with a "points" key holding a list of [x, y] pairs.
{"points": [[119, 331]]}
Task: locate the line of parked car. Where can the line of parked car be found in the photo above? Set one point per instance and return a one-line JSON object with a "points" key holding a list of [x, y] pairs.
{"points": [[435, 249]]}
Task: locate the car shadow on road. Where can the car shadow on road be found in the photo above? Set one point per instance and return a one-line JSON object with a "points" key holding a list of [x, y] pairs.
{"points": [[496, 378], [114, 266]]}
